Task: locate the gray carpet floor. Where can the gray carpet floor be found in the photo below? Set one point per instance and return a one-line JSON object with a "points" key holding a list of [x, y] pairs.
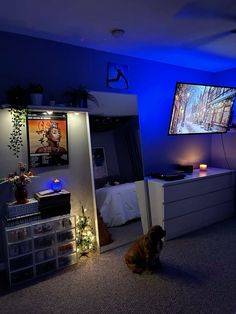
{"points": [[124, 234], [198, 275]]}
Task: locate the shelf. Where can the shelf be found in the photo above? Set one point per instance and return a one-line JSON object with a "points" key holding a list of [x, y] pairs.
{"points": [[40, 252], [20, 269], [19, 241], [21, 255], [45, 261], [43, 234], [57, 108], [44, 248], [65, 229]]}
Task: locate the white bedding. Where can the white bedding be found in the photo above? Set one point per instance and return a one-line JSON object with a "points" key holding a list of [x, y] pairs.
{"points": [[118, 204]]}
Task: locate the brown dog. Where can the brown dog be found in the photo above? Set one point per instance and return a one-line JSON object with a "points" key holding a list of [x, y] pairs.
{"points": [[145, 252]]}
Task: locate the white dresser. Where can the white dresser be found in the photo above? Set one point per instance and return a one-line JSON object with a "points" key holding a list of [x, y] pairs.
{"points": [[198, 200]]}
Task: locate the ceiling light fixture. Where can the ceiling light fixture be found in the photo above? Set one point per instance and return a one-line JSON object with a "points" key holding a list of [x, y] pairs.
{"points": [[117, 32]]}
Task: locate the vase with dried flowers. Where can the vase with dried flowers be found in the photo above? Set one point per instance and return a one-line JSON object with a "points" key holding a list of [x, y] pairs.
{"points": [[19, 182]]}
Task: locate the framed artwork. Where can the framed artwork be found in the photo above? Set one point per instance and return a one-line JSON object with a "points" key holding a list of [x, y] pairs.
{"points": [[47, 139], [117, 76], [99, 163]]}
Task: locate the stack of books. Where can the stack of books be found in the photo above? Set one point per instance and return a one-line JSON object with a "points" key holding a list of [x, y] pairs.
{"points": [[53, 203]]}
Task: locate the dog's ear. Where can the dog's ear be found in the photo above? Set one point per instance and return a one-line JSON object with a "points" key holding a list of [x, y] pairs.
{"points": [[156, 232]]}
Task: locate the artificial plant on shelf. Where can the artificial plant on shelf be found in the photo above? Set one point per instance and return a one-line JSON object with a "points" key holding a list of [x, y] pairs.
{"points": [[36, 94], [85, 238], [17, 98], [35, 88], [79, 97]]}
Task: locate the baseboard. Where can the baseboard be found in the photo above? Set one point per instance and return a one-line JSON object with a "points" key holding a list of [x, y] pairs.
{"points": [[2, 266]]}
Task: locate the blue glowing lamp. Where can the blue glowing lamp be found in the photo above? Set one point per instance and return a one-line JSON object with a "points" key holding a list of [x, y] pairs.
{"points": [[56, 185]]}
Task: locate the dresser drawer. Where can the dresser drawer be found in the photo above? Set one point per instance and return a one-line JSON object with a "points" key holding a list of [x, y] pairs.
{"points": [[196, 203], [191, 188], [199, 219]]}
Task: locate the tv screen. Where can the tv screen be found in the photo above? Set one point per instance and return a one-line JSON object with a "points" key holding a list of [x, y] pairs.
{"points": [[201, 109]]}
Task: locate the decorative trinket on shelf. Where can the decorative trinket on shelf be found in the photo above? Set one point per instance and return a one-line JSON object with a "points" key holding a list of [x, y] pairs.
{"points": [[36, 94], [56, 185]]}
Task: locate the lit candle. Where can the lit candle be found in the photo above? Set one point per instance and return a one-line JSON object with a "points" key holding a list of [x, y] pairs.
{"points": [[203, 167]]}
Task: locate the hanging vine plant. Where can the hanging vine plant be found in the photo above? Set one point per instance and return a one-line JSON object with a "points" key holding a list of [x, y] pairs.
{"points": [[17, 98]]}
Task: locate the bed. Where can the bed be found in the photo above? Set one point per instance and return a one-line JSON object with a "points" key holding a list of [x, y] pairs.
{"points": [[118, 204]]}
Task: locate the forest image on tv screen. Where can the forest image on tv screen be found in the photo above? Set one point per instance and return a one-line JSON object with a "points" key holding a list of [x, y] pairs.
{"points": [[201, 109]]}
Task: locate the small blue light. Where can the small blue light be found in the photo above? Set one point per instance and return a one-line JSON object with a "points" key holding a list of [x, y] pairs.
{"points": [[56, 185]]}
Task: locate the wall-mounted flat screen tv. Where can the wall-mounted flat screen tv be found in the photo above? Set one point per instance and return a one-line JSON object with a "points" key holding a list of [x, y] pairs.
{"points": [[201, 109]]}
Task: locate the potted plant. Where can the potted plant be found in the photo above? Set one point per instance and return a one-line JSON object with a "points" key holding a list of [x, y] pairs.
{"points": [[52, 100], [36, 94], [17, 99], [17, 96], [79, 97]]}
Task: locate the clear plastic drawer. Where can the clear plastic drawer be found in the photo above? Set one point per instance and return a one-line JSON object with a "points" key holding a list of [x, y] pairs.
{"points": [[21, 262], [20, 248], [22, 275], [44, 255], [20, 234], [45, 241], [66, 249], [67, 260], [65, 236], [46, 267], [65, 223]]}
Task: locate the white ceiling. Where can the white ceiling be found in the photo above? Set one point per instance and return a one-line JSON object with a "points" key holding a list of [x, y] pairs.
{"points": [[194, 34]]}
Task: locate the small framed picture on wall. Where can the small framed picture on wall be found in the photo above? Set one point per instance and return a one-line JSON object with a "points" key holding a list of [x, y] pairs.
{"points": [[117, 76], [99, 163], [47, 139]]}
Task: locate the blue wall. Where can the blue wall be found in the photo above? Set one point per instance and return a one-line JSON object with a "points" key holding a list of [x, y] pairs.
{"points": [[59, 66], [223, 148]]}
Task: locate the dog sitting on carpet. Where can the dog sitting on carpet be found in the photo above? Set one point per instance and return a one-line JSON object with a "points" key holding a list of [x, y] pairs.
{"points": [[145, 252]]}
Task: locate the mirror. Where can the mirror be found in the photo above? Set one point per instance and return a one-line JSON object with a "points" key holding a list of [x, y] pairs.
{"points": [[117, 164]]}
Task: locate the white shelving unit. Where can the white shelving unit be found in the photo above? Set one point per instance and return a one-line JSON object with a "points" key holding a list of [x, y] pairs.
{"points": [[38, 248]]}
